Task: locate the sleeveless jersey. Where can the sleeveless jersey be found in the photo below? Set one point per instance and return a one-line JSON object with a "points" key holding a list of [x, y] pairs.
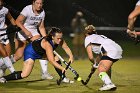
{"points": [[37, 46], [100, 41], [3, 13]]}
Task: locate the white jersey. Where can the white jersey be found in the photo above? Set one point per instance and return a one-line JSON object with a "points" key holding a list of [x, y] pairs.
{"points": [[113, 50], [138, 3], [31, 22], [3, 13], [3, 27]]}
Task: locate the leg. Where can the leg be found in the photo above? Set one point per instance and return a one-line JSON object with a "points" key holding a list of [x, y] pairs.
{"points": [[27, 69], [20, 46], [8, 49], [6, 60], [3, 52], [44, 66], [104, 67]]}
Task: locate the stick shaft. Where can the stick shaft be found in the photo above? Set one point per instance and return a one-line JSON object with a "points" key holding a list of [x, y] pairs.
{"points": [[73, 71]]}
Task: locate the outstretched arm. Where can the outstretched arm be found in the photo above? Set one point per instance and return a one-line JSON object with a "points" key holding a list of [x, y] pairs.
{"points": [[68, 51], [50, 55]]}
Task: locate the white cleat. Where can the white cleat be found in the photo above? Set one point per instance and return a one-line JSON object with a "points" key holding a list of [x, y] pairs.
{"points": [[67, 80], [108, 87], [46, 76], [3, 80]]}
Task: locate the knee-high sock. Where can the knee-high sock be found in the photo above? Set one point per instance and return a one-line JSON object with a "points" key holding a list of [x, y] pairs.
{"points": [[12, 59], [1, 63], [58, 70], [44, 65], [13, 76], [8, 64], [104, 77]]}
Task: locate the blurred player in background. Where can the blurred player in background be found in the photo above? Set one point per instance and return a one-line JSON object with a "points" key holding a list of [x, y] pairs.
{"points": [[30, 20], [5, 48], [78, 24], [108, 51]]}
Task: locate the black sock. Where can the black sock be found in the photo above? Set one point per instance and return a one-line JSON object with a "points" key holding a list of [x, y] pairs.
{"points": [[58, 70], [13, 76]]}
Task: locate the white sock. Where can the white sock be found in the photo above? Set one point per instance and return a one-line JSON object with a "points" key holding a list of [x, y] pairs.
{"points": [[1, 62], [8, 64], [12, 59], [105, 78], [44, 65]]}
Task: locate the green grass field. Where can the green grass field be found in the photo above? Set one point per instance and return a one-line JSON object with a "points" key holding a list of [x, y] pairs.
{"points": [[125, 74]]}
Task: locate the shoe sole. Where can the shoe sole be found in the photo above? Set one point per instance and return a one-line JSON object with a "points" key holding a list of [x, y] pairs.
{"points": [[112, 89]]}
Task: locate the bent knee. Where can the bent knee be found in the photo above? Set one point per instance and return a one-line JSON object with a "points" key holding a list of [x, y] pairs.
{"points": [[131, 16]]}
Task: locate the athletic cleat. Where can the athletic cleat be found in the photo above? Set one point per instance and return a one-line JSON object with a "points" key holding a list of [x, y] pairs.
{"points": [[46, 76], [108, 87], [3, 80], [67, 80]]}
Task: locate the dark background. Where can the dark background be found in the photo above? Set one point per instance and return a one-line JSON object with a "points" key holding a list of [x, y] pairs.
{"points": [[97, 12]]}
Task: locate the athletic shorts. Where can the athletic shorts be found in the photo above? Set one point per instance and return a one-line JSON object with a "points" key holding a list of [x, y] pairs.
{"points": [[108, 58], [29, 52], [22, 37], [4, 39]]}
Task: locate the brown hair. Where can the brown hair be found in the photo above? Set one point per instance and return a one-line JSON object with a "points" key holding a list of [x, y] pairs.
{"points": [[53, 31]]}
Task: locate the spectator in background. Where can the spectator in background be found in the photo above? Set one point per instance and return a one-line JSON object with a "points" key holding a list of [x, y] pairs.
{"points": [[78, 24]]}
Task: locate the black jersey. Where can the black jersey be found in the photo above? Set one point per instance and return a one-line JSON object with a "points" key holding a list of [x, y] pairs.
{"points": [[37, 45]]}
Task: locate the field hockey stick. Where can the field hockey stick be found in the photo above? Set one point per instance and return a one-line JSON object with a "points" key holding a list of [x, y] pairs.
{"points": [[73, 71], [62, 77], [89, 76]]}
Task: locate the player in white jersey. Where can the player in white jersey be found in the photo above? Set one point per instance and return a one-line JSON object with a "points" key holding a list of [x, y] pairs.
{"points": [[30, 19], [5, 48], [107, 49], [131, 20]]}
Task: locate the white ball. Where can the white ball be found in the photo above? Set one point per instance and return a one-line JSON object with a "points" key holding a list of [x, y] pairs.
{"points": [[1, 73]]}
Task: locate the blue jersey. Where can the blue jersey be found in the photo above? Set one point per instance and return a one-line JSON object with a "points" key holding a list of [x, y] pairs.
{"points": [[35, 51]]}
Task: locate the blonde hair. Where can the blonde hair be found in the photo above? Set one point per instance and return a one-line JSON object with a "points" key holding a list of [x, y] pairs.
{"points": [[90, 29]]}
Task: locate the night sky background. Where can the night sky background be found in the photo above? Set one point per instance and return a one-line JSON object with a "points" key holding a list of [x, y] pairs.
{"points": [[97, 12]]}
